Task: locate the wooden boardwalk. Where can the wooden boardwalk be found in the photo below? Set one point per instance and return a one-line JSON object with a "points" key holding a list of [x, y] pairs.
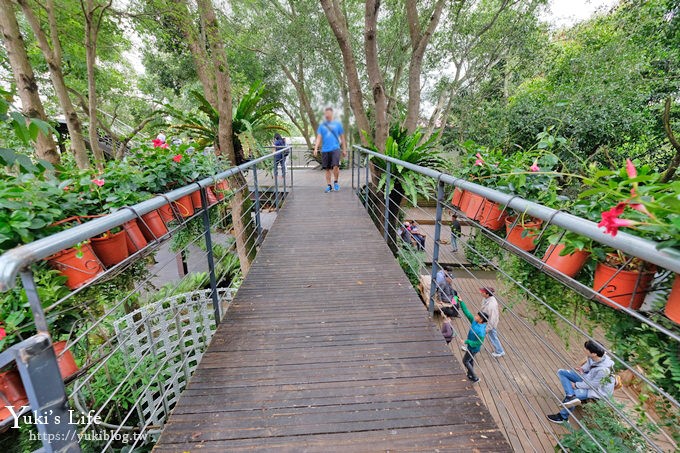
{"points": [[327, 347]]}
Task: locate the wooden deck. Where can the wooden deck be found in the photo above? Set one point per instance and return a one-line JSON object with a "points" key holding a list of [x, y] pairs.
{"points": [[327, 347]]}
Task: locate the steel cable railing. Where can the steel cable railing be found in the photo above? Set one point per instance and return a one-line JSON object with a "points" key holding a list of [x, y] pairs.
{"points": [[377, 205], [110, 383]]}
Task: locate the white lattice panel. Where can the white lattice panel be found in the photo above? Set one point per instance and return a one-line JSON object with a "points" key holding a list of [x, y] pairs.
{"points": [[172, 333]]}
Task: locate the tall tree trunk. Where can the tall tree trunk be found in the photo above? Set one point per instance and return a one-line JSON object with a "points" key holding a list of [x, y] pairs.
{"points": [[94, 14], [31, 105], [419, 42], [198, 51], [336, 20], [52, 56], [240, 203], [374, 75]]}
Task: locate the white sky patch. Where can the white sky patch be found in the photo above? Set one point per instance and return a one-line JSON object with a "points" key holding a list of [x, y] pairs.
{"points": [[564, 13]]}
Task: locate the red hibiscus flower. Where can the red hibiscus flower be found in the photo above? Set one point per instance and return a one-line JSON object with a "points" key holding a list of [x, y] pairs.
{"points": [[177, 157], [158, 143], [3, 333], [611, 221]]}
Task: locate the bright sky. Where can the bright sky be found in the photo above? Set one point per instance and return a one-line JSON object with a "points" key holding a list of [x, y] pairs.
{"points": [[568, 12]]}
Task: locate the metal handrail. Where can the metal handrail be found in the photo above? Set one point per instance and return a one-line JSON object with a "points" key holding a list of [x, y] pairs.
{"points": [[645, 249], [18, 258]]}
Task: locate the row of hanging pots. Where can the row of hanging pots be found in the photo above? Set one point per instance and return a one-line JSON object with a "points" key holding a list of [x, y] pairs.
{"points": [[625, 288], [12, 392], [85, 262], [489, 214]]}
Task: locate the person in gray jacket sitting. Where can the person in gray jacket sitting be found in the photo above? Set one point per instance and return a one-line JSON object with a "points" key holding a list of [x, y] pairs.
{"points": [[593, 380]]}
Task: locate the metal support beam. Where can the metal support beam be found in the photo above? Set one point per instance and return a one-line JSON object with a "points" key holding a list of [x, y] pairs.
{"points": [[386, 222], [211, 261], [258, 222]]}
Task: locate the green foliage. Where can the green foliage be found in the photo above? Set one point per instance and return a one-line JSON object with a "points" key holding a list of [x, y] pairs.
{"points": [[412, 149], [411, 261], [607, 428]]}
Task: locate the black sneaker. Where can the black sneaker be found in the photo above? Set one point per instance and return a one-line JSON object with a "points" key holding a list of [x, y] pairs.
{"points": [[556, 418], [570, 401], [474, 380]]}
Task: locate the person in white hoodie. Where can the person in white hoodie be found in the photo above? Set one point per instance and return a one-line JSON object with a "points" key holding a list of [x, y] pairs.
{"points": [[594, 379], [490, 307]]}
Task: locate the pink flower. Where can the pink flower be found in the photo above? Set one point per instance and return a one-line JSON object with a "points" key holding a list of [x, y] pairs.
{"points": [[630, 169], [534, 168], [479, 163], [611, 221], [66, 188], [98, 182], [3, 333], [177, 157], [479, 156], [157, 142], [164, 145]]}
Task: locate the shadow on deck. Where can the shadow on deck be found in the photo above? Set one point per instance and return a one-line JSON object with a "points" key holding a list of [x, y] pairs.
{"points": [[327, 347]]}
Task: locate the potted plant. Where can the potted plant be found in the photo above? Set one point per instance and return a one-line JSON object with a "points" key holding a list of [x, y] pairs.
{"points": [[567, 253], [624, 282]]}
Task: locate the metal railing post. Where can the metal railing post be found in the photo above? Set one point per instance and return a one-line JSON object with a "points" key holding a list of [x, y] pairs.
{"points": [[209, 255], [276, 183], [291, 165], [437, 235], [258, 223], [351, 164], [366, 186], [285, 187], [37, 365], [386, 223]]}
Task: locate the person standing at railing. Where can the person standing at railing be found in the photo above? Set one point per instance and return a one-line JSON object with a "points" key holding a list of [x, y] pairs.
{"points": [[490, 307], [331, 136], [474, 341], [455, 232], [280, 159], [446, 293]]}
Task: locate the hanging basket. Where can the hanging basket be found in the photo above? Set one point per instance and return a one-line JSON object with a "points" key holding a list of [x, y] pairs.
{"points": [[569, 265], [134, 238], [473, 206], [624, 288], [672, 310], [523, 235], [153, 226], [79, 265], [184, 206], [111, 248], [12, 393], [66, 362], [457, 197], [492, 216]]}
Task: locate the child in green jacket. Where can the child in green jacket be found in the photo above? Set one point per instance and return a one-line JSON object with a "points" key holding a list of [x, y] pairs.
{"points": [[474, 340]]}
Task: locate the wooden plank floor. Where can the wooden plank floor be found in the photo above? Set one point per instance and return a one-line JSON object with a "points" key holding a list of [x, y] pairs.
{"points": [[327, 347]]}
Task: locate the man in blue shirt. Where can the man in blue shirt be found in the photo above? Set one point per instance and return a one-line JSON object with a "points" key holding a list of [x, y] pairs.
{"points": [[331, 136]]}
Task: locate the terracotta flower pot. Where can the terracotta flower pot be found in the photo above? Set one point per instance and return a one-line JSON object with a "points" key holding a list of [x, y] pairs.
{"points": [[78, 265], [166, 213], [212, 198], [66, 362], [12, 393], [196, 200], [153, 226], [672, 310], [473, 207], [111, 249], [570, 264], [464, 200], [457, 197], [626, 288], [220, 189], [492, 216], [517, 235], [184, 206], [134, 238]]}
